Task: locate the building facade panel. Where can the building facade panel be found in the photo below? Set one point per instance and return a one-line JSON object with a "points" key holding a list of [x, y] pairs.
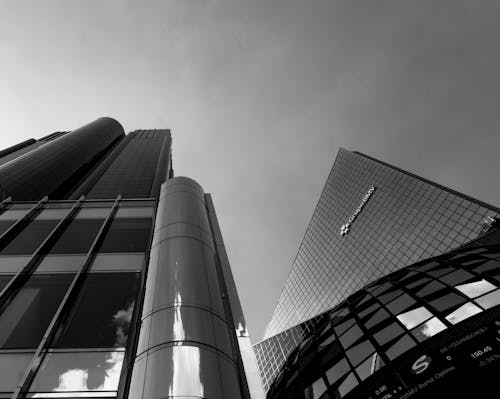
{"points": [[371, 219], [427, 330]]}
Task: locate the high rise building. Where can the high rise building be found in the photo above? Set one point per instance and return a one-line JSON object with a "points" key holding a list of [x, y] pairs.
{"points": [[429, 330], [371, 219], [114, 280]]}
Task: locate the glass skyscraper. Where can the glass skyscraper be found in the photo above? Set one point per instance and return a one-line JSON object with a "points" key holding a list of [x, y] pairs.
{"points": [[114, 281], [371, 219]]}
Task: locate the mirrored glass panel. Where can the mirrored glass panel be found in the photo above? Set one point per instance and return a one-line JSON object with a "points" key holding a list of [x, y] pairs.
{"points": [[463, 312], [414, 317], [316, 389], [489, 300], [13, 366], [428, 329], [78, 371], [24, 320], [127, 235], [30, 238], [122, 261], [337, 371], [401, 346], [102, 314], [476, 288], [77, 237], [61, 263], [13, 214], [347, 385], [13, 264], [5, 224]]}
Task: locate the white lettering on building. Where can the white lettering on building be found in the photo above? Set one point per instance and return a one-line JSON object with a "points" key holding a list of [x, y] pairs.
{"points": [[344, 229]]}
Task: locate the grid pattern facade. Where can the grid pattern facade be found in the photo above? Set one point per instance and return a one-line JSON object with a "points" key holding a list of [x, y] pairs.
{"points": [[405, 219], [136, 168], [71, 273], [342, 348]]}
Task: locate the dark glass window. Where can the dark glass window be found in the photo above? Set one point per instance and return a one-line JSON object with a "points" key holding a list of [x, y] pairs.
{"points": [[102, 313], [4, 280], [5, 224], [127, 235], [25, 318], [78, 237], [29, 239]]}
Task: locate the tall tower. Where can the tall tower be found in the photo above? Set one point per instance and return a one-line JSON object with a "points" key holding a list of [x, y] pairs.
{"points": [[114, 281], [371, 219]]}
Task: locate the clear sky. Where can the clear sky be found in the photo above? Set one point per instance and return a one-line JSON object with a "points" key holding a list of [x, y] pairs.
{"points": [[260, 94]]}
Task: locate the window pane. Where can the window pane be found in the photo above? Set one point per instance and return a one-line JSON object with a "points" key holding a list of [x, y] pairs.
{"points": [[315, 390], [61, 263], [337, 371], [489, 300], [385, 335], [13, 366], [101, 316], [350, 336], [4, 280], [26, 317], [463, 312], [5, 224], [127, 235], [428, 329], [123, 261], [83, 371], [359, 352], [77, 237], [347, 385], [399, 347], [476, 288], [414, 317], [13, 264], [29, 239], [447, 301]]}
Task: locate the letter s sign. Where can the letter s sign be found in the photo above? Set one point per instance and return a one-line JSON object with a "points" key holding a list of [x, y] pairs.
{"points": [[421, 364]]}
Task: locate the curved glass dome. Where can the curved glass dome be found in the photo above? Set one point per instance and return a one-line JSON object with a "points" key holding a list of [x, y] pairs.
{"points": [[374, 344]]}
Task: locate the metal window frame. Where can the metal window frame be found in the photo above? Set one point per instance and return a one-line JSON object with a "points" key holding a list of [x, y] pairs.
{"points": [[66, 303]]}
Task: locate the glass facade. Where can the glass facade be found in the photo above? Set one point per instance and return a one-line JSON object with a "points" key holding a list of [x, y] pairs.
{"points": [[371, 219], [65, 315], [415, 332], [357, 234]]}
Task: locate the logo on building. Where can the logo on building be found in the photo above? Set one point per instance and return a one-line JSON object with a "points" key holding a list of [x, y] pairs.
{"points": [[344, 229], [421, 364]]}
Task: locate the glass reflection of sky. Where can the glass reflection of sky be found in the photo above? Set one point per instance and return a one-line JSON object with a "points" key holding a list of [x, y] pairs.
{"points": [[463, 312], [476, 288], [186, 360], [428, 329], [83, 371], [414, 317]]}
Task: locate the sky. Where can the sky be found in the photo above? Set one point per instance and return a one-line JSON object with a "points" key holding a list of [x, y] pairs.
{"points": [[260, 95]]}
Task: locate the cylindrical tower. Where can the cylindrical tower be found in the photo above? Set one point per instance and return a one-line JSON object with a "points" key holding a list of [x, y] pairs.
{"points": [[184, 347], [54, 168]]}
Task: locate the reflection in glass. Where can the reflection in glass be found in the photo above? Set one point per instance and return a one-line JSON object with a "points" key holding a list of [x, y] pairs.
{"points": [[369, 366], [391, 331], [82, 371], [26, 317], [30, 238], [186, 379], [463, 312], [315, 390], [400, 347], [127, 235], [414, 317], [347, 385], [428, 329], [476, 288], [350, 336], [400, 304], [448, 301], [13, 264], [489, 300], [77, 237], [337, 371], [102, 314], [359, 352], [13, 366]]}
